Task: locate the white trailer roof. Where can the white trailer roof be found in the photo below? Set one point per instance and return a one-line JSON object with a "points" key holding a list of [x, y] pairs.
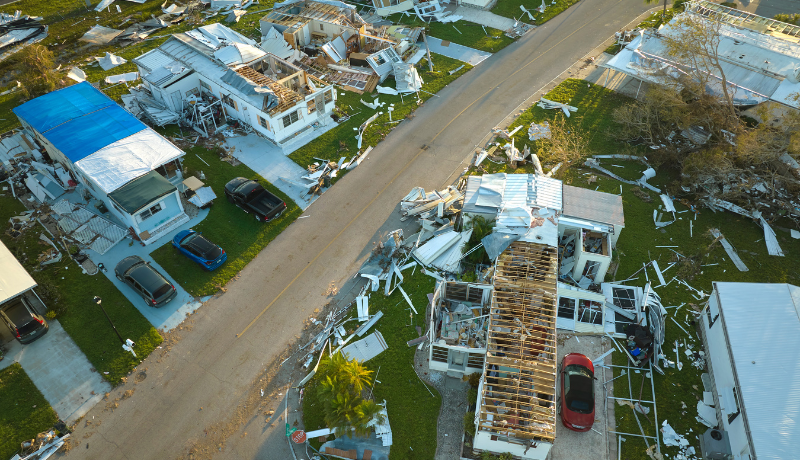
{"points": [[763, 330], [127, 159], [14, 279]]}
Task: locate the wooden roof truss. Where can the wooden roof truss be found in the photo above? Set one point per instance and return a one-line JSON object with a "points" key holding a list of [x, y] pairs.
{"points": [[519, 375], [287, 97]]}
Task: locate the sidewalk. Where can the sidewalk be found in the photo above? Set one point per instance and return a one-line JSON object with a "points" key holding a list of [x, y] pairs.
{"points": [[60, 370]]}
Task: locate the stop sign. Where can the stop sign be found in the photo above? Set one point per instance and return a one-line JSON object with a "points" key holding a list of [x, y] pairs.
{"points": [[299, 436]]}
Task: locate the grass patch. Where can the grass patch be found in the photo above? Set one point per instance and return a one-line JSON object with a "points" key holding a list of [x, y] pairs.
{"points": [[462, 32], [227, 225], [413, 412], [510, 9], [24, 412], [595, 105], [69, 293], [637, 244], [341, 141]]}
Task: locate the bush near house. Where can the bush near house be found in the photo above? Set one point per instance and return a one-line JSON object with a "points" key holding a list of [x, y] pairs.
{"points": [[69, 293], [226, 225], [23, 410], [637, 244], [413, 411]]}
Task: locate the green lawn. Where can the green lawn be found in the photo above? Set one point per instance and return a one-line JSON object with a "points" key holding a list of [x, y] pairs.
{"points": [[341, 141], [461, 32], [413, 412], [68, 292], [227, 225], [637, 245], [24, 412], [511, 9], [595, 105]]}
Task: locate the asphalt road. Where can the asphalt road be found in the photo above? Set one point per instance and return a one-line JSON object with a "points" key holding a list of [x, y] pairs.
{"points": [[192, 391], [769, 8]]}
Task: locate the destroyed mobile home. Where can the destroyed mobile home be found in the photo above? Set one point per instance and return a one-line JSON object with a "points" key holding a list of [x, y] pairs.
{"points": [[99, 152], [759, 56], [213, 78], [336, 44]]}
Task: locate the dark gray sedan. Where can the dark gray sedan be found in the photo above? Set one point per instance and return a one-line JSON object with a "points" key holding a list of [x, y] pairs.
{"points": [[145, 280]]}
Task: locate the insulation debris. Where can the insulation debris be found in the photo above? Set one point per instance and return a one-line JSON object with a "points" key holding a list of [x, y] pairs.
{"points": [[548, 104], [539, 131]]}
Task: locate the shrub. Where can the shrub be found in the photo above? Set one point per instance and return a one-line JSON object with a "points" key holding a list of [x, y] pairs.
{"points": [[469, 424]]}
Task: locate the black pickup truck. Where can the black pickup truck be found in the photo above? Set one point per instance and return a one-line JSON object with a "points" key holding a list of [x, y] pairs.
{"points": [[253, 198]]}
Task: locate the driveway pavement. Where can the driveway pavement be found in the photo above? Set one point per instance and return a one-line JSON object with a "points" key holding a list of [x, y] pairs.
{"points": [[453, 50], [200, 393], [170, 315], [594, 444], [272, 164], [60, 371]]}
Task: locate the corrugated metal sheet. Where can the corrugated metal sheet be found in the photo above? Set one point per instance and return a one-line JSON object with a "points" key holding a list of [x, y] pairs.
{"points": [[471, 198], [763, 330], [549, 192], [595, 206], [153, 59], [517, 191], [366, 348]]}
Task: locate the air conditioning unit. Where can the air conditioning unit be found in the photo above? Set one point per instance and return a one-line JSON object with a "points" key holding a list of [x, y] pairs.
{"points": [[715, 445]]}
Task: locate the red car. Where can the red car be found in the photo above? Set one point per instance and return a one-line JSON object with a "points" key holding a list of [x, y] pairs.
{"points": [[577, 392]]}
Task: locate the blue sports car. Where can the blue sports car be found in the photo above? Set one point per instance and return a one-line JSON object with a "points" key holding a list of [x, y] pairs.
{"points": [[196, 247]]}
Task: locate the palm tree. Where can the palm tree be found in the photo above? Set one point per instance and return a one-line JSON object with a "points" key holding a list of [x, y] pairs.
{"points": [[341, 382]]}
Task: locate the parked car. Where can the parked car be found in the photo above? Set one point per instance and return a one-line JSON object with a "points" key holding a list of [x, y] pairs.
{"points": [[253, 198], [22, 319], [196, 247], [145, 280], [577, 392]]}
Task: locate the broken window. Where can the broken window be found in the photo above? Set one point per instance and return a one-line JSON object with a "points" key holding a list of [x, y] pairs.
{"points": [[193, 91], [312, 106], [328, 96], [590, 312], [206, 87], [566, 308], [168, 170], [590, 269], [264, 123], [229, 102], [289, 119], [148, 213], [624, 298], [321, 26]]}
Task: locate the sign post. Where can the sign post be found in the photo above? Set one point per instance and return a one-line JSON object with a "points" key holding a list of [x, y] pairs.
{"points": [[299, 437]]}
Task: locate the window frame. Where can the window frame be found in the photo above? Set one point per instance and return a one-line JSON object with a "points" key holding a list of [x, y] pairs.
{"points": [[293, 117], [150, 212], [228, 100]]}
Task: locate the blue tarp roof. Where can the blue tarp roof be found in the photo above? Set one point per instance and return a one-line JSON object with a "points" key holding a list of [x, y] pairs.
{"points": [[53, 109], [78, 120]]}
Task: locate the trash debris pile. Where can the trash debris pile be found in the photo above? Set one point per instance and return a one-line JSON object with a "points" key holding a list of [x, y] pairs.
{"points": [[671, 438], [18, 31], [333, 42], [42, 447], [231, 86]]}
